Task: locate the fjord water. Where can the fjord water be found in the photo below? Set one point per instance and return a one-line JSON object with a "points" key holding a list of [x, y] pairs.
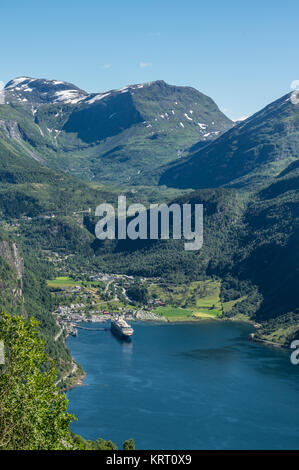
{"points": [[186, 386]]}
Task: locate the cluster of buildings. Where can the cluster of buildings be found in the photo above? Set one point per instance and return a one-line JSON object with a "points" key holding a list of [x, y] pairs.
{"points": [[150, 316], [67, 317], [157, 303]]}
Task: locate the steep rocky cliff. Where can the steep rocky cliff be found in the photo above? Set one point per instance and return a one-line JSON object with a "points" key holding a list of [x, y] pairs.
{"points": [[11, 277]]}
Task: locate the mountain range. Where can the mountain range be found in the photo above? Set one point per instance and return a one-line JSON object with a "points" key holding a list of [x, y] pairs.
{"points": [[63, 151], [246, 156], [114, 137]]}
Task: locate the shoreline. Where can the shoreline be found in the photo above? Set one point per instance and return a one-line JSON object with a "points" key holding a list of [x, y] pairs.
{"points": [[251, 337], [203, 319], [266, 342], [78, 382]]}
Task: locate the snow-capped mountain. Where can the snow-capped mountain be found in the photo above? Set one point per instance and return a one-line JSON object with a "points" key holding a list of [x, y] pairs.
{"points": [[246, 156], [41, 91], [116, 135]]}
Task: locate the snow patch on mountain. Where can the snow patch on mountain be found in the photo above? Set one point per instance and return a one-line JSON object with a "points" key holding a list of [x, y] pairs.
{"points": [[188, 117], [43, 91], [15, 82], [68, 96], [98, 97]]}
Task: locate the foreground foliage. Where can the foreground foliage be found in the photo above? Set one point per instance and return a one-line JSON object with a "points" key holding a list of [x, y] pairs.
{"points": [[33, 415]]}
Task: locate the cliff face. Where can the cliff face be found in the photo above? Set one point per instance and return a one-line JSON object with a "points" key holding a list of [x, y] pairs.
{"points": [[11, 277], [9, 251], [23, 292], [11, 129]]}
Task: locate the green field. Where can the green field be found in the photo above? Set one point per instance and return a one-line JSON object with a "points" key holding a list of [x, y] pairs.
{"points": [[174, 313], [66, 281], [183, 314], [196, 301], [199, 299], [63, 281]]}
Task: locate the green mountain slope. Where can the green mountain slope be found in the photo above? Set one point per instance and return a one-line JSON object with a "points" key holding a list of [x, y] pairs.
{"points": [[29, 188], [251, 243], [23, 291], [250, 239], [245, 156], [113, 137], [270, 248], [223, 220], [39, 207], [267, 254]]}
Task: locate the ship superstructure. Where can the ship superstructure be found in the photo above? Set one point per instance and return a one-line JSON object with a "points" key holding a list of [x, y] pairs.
{"points": [[120, 327]]}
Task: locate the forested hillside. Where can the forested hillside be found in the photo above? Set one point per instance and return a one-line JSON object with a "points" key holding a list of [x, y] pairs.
{"points": [[251, 242], [251, 237], [269, 253]]}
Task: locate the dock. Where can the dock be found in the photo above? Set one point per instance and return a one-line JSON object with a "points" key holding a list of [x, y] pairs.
{"points": [[104, 328]]}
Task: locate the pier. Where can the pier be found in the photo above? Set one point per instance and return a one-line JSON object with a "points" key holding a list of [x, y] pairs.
{"points": [[104, 328]]}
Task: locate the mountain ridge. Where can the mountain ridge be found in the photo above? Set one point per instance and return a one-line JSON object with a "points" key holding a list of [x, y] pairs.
{"points": [[244, 156], [138, 126], [251, 237]]}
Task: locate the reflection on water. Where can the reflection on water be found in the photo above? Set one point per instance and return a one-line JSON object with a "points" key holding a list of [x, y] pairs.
{"points": [[202, 386], [123, 339], [126, 345], [216, 354]]}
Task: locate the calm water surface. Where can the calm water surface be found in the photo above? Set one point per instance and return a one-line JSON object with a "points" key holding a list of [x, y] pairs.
{"points": [[186, 386]]}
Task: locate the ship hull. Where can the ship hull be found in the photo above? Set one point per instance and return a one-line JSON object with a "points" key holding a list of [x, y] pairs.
{"points": [[118, 331]]}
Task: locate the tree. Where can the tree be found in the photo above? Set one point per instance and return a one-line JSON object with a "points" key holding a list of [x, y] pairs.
{"points": [[33, 414], [138, 293], [99, 444], [129, 444]]}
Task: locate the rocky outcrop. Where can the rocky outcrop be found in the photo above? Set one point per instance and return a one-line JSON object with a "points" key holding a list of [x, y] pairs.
{"points": [[12, 130], [12, 282], [9, 251]]}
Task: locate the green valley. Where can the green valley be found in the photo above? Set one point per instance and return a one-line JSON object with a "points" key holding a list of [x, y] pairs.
{"points": [[139, 127], [55, 169]]}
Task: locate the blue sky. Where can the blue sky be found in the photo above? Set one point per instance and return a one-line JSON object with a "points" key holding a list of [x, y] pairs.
{"points": [[244, 54]]}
